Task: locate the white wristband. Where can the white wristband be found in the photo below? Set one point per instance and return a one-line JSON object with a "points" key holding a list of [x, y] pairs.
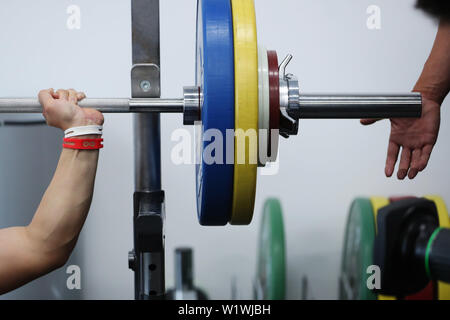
{"points": [[83, 131]]}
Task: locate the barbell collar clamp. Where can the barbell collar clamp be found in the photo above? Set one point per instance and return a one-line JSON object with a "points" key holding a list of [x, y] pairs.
{"points": [[289, 99], [192, 105]]}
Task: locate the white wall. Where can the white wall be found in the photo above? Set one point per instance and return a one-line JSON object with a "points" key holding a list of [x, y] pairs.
{"points": [[322, 169]]}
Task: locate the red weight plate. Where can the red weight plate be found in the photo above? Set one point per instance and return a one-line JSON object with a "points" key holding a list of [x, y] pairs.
{"points": [[274, 83], [427, 293]]}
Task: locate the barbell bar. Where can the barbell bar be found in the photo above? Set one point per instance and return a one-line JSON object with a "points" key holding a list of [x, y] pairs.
{"points": [[310, 106]]}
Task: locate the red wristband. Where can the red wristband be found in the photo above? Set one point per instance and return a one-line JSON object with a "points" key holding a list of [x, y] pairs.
{"points": [[83, 144]]}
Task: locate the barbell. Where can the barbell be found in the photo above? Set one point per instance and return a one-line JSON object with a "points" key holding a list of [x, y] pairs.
{"points": [[241, 87]]}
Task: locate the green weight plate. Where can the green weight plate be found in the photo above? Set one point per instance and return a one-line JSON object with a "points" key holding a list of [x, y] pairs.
{"points": [[271, 273], [357, 252]]}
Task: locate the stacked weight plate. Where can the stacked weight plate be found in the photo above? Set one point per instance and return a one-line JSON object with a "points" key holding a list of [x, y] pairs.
{"points": [[270, 282], [358, 251], [246, 110], [215, 77], [239, 84]]}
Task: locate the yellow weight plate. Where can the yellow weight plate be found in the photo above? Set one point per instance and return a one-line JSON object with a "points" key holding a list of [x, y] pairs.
{"points": [[444, 221], [246, 111], [377, 204]]}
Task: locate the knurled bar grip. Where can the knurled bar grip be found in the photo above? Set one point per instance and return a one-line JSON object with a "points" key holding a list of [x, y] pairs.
{"points": [[103, 105], [357, 106]]}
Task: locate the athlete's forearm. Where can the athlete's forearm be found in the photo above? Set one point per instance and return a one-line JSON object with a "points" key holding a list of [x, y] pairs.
{"points": [[434, 82], [29, 252], [65, 205]]}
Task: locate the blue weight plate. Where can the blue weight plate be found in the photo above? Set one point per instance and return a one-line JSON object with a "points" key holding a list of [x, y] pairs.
{"points": [[215, 77]]}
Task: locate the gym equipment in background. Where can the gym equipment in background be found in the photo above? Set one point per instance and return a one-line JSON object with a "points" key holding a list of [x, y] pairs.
{"points": [[357, 252], [270, 282], [407, 238], [184, 278], [428, 292]]}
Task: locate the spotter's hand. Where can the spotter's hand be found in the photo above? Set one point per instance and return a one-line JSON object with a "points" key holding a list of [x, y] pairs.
{"points": [[61, 109], [416, 137]]}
